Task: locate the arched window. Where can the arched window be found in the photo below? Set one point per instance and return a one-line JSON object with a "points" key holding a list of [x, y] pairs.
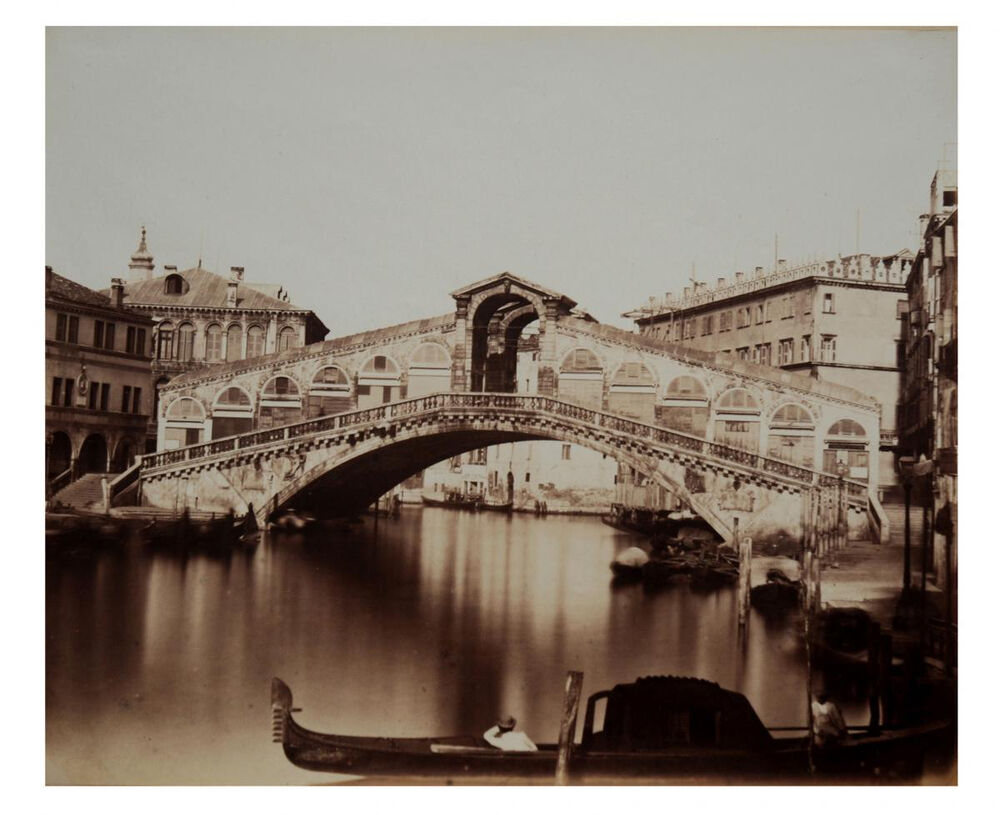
{"points": [[234, 343], [184, 423], [232, 413], [213, 343], [737, 420], [165, 341], [792, 435], [329, 392], [581, 378], [287, 338], [173, 284], [378, 382], [846, 446], [280, 402], [429, 371], [255, 341], [185, 342]]}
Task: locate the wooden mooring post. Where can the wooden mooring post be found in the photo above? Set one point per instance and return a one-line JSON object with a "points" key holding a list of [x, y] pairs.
{"points": [[874, 676], [746, 555], [567, 725]]}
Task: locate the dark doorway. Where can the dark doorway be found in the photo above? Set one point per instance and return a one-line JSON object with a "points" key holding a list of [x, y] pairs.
{"points": [[123, 455], [93, 455], [60, 453]]}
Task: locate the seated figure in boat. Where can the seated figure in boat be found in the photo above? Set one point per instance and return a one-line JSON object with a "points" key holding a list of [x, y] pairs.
{"points": [[828, 722], [504, 737]]}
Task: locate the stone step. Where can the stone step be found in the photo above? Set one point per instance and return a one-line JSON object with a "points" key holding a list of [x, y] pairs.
{"points": [[83, 493]]}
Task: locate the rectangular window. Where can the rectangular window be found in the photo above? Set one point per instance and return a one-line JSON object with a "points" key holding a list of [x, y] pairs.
{"points": [[379, 364], [725, 321], [136, 400], [900, 355], [902, 309], [764, 353], [98, 333], [527, 477], [828, 349], [828, 303], [56, 390], [105, 393], [68, 393], [791, 306], [140, 342], [565, 452], [767, 311], [73, 334], [743, 353], [130, 339], [760, 314], [92, 396], [126, 398], [785, 348], [109, 336], [806, 348], [61, 327]]}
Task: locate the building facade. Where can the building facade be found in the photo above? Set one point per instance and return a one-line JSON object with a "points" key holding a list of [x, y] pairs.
{"points": [[97, 373], [202, 318], [837, 321], [928, 403]]}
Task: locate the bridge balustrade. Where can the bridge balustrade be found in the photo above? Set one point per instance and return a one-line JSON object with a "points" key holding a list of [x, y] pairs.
{"points": [[427, 404]]}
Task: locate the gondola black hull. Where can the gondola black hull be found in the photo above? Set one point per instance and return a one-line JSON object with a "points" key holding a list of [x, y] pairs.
{"points": [[891, 757]]}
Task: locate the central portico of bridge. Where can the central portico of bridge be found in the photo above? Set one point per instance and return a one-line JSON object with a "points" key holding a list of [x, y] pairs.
{"points": [[342, 421]]}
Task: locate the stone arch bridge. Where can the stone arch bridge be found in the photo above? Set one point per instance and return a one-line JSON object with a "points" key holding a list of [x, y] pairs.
{"points": [[337, 423]]}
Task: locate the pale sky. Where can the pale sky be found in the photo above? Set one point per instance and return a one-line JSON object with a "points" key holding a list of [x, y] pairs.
{"points": [[372, 171]]}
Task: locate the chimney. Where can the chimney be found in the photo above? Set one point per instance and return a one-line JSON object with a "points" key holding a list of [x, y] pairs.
{"points": [[687, 291], [758, 271], [236, 273], [117, 292], [739, 277], [720, 283], [48, 278], [781, 264], [231, 293], [668, 297], [170, 269]]}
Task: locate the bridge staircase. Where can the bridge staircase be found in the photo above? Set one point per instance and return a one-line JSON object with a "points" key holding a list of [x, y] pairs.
{"points": [[85, 494]]}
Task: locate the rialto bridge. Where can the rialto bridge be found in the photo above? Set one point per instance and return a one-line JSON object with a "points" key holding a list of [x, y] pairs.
{"points": [[335, 424]]}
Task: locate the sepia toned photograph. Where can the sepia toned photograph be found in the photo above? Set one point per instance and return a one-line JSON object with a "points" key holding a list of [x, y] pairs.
{"points": [[501, 406]]}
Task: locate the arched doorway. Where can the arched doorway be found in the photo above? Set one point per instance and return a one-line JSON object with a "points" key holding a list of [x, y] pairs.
{"points": [[124, 453], [60, 454], [846, 443], [93, 456], [496, 331], [185, 423]]}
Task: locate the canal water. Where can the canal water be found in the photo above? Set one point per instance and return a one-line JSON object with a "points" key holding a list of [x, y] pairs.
{"points": [[159, 666]]}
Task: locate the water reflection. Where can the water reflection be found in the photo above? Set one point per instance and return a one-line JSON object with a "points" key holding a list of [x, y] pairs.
{"points": [[158, 666]]}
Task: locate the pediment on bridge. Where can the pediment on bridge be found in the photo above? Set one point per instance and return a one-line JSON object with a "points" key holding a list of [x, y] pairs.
{"points": [[504, 281]]}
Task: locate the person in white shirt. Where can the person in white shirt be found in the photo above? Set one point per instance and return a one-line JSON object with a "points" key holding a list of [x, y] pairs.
{"points": [[828, 722], [503, 736]]}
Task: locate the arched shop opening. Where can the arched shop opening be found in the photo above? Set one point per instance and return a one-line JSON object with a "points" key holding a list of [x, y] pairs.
{"points": [[685, 406], [633, 392], [329, 392], [232, 413], [581, 379], [280, 403], [846, 443], [792, 436], [429, 371], [737, 420], [378, 382], [185, 423]]}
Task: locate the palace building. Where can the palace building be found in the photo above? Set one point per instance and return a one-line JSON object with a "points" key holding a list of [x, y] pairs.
{"points": [[97, 373], [203, 318], [835, 320]]}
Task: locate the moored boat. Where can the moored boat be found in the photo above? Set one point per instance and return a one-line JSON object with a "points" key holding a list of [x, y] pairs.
{"points": [[655, 728]]}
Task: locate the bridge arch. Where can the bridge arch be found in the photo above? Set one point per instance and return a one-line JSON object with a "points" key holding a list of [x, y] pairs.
{"points": [[354, 476]]}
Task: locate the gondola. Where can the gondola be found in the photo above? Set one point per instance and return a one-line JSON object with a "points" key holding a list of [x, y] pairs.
{"points": [[655, 728]]}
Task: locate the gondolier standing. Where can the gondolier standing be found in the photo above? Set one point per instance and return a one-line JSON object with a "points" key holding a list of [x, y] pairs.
{"points": [[505, 737]]}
